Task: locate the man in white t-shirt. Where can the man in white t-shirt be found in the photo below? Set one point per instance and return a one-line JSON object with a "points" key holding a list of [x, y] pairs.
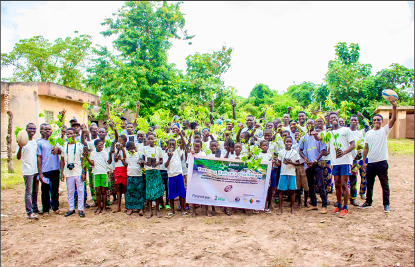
{"points": [[341, 161], [27, 155], [376, 150], [72, 169]]}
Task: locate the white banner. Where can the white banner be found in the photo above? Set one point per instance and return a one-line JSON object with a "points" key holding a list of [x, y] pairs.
{"points": [[227, 183]]}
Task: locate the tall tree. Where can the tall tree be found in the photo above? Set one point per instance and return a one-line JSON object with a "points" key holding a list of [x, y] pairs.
{"points": [[38, 60]]}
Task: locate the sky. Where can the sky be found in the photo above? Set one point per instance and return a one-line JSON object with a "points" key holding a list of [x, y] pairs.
{"points": [[275, 43]]}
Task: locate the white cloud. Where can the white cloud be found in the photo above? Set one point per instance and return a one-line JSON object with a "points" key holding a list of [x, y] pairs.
{"points": [[274, 43]]}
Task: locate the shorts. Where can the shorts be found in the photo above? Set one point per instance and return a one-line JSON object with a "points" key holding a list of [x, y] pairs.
{"points": [[120, 175], [273, 181], [101, 180], [176, 187], [301, 178], [287, 182], [344, 169]]}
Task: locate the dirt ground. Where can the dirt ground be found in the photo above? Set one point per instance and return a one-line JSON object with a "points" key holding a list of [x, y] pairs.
{"points": [[363, 238]]}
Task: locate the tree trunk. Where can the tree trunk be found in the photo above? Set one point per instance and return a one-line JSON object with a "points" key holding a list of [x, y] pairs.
{"points": [[9, 142]]}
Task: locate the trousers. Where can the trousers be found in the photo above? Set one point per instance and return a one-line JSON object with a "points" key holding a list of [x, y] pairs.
{"points": [[70, 185], [379, 169], [28, 181], [318, 173], [51, 191]]}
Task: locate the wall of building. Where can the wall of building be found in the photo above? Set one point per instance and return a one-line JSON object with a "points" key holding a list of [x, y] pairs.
{"points": [[400, 128]]}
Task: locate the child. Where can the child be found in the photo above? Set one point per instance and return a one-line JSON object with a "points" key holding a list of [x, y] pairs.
{"points": [[265, 156], [164, 176], [154, 186], [214, 149], [197, 147], [130, 133], [237, 150], [175, 172], [287, 159], [99, 160], [135, 182], [120, 171], [300, 175], [141, 136]]}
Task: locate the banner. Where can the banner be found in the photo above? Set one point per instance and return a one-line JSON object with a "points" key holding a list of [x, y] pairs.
{"points": [[227, 183]]}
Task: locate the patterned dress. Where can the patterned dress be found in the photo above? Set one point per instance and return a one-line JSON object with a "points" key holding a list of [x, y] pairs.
{"points": [[154, 185], [135, 193]]}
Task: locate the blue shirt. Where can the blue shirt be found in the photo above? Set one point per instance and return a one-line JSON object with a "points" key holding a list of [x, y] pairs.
{"points": [[50, 162], [311, 147]]}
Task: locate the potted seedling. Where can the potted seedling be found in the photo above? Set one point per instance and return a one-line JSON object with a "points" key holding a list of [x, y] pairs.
{"points": [[337, 146]]}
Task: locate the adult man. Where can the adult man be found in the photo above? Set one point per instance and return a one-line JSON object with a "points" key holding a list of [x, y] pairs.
{"points": [[286, 122], [301, 118], [249, 124], [376, 150], [48, 165], [77, 127], [311, 151], [341, 146], [27, 155], [71, 168]]}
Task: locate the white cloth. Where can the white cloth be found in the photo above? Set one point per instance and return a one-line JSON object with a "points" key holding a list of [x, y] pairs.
{"points": [[356, 135], [214, 155], [70, 186], [303, 128], [288, 169], [264, 156], [91, 145], [149, 151], [377, 143], [71, 156], [29, 158], [118, 163], [100, 159], [175, 164], [134, 169], [286, 128], [344, 139], [201, 153], [162, 167], [296, 147], [184, 165]]}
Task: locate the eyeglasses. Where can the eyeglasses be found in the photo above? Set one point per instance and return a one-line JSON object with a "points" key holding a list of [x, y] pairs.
{"points": [[31, 129], [377, 120]]}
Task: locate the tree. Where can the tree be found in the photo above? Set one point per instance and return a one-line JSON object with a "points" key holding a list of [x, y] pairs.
{"points": [[141, 71], [261, 94], [38, 60], [302, 93]]}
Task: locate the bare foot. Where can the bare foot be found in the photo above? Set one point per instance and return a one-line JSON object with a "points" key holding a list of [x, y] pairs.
{"points": [[158, 214], [117, 210], [104, 211], [98, 212], [194, 213], [140, 213], [306, 205], [150, 214], [129, 212], [208, 213], [279, 212], [293, 212]]}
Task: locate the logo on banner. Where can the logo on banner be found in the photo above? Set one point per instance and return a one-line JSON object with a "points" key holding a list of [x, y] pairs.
{"points": [[237, 199], [228, 188], [219, 198], [251, 201]]}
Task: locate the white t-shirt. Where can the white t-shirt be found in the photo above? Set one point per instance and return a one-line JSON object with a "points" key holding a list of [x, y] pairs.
{"points": [[133, 138], [288, 169], [29, 158], [175, 164], [328, 157], [148, 152], [303, 128], [356, 135], [100, 159], [184, 166], [286, 128], [377, 143], [162, 167], [73, 155], [119, 162], [264, 156], [91, 146], [344, 139], [134, 168], [214, 155], [296, 147], [201, 153]]}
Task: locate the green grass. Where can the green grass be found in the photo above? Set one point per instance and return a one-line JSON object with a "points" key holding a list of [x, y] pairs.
{"points": [[401, 146], [10, 180]]}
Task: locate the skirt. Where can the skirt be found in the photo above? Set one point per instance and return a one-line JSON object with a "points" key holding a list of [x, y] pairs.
{"points": [[154, 185], [135, 193]]}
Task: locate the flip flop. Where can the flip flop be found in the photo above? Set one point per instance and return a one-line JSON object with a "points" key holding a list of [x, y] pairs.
{"points": [[159, 216], [179, 208], [267, 211], [160, 207], [168, 207], [256, 211], [170, 215], [185, 214]]}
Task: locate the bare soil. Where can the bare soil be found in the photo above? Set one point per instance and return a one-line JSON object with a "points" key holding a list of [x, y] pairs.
{"points": [[364, 238]]}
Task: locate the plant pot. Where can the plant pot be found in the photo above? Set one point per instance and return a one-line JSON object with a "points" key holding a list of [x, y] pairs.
{"points": [[337, 156]]}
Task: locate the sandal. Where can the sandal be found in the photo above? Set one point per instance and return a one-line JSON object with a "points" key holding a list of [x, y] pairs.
{"points": [[228, 212], [179, 208], [160, 207], [170, 215], [256, 211], [185, 214], [167, 207], [267, 211], [159, 215], [57, 211], [129, 212]]}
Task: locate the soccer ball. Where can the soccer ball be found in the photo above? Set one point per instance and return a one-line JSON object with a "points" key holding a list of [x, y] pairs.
{"points": [[22, 138]]}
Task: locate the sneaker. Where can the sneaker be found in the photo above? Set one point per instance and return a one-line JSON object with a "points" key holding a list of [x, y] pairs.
{"points": [[365, 206], [323, 210], [343, 213], [69, 213], [386, 209], [32, 216], [311, 208], [336, 210], [354, 202], [362, 196]]}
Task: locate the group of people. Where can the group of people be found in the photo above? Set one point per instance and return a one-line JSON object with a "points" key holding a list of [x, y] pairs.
{"points": [[145, 169]]}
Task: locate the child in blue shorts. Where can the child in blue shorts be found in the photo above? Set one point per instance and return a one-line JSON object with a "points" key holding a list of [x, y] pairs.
{"points": [[173, 164], [288, 159]]}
